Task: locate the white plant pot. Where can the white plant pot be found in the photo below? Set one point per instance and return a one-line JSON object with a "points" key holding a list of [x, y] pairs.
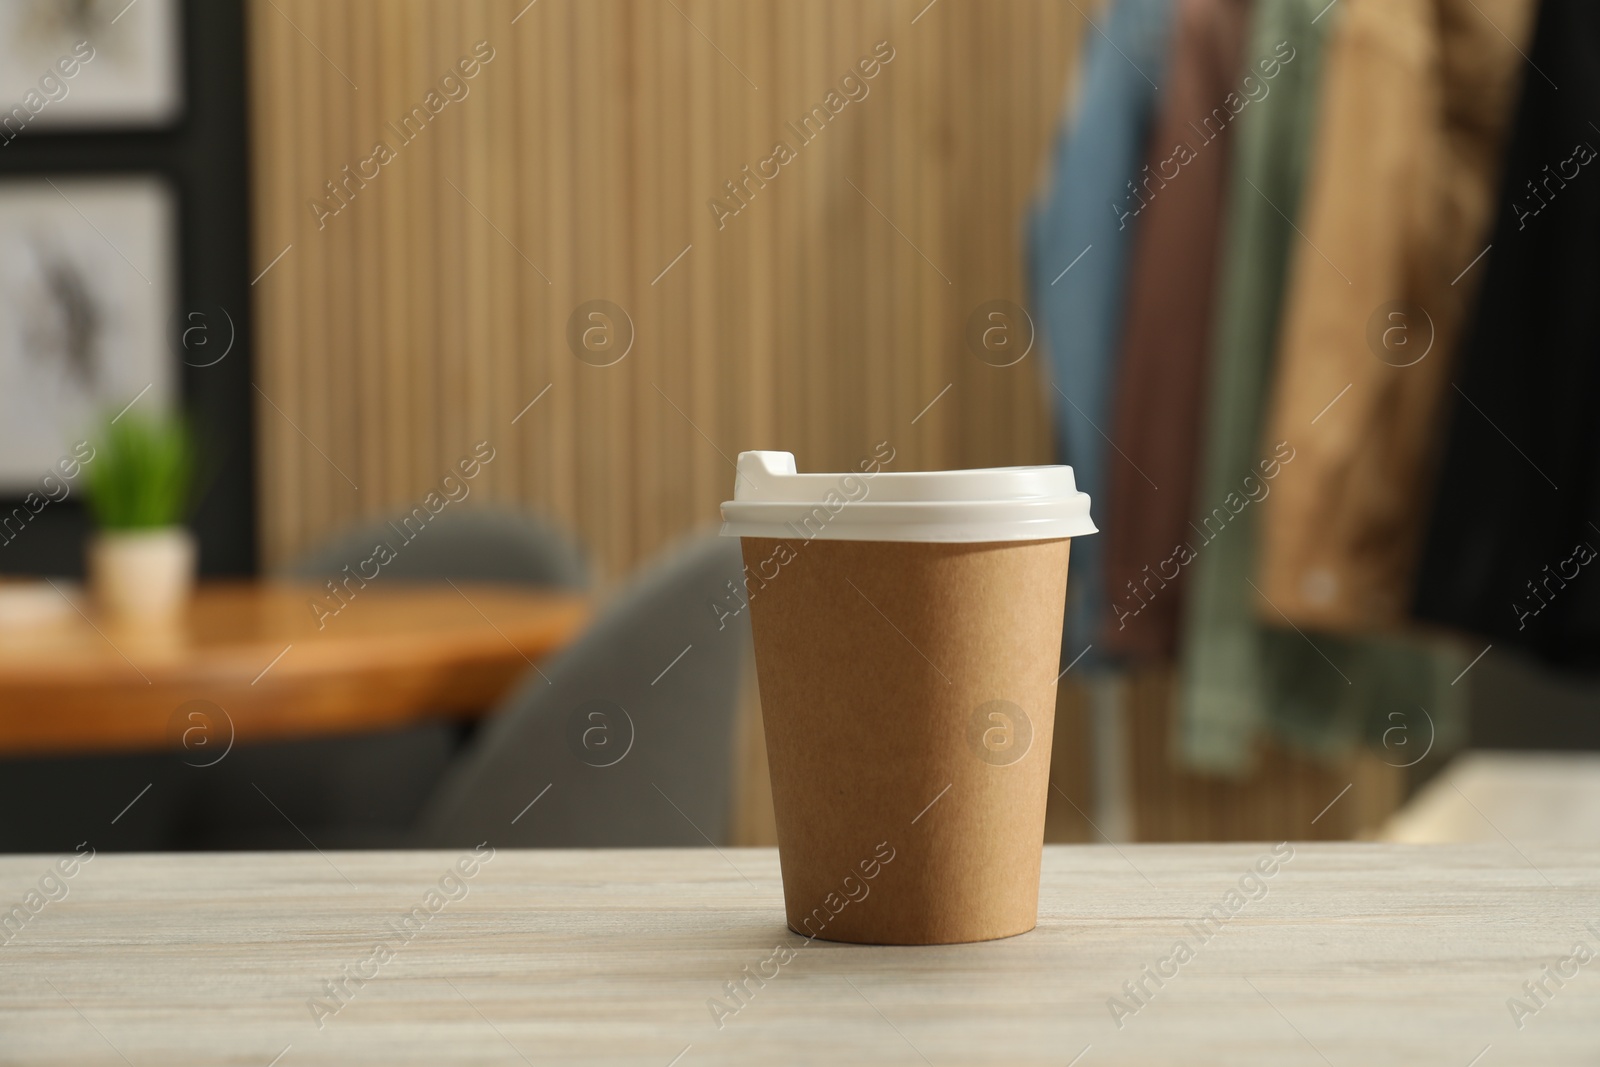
{"points": [[142, 574]]}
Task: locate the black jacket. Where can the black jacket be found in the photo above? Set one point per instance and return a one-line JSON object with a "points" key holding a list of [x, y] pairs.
{"points": [[1513, 548]]}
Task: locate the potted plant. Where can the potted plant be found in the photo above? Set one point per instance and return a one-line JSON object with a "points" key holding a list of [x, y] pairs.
{"points": [[141, 558]]}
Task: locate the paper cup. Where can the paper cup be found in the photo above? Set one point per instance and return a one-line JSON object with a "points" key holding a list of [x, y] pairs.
{"points": [[907, 636]]}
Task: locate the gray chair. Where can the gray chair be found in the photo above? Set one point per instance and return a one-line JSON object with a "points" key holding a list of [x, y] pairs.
{"points": [[467, 545], [366, 791], [625, 739]]}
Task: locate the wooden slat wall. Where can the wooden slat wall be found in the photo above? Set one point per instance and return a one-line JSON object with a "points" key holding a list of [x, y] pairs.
{"points": [[431, 309], [1290, 796]]}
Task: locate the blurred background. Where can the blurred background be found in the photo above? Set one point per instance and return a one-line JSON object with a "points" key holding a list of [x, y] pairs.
{"points": [[371, 374]]}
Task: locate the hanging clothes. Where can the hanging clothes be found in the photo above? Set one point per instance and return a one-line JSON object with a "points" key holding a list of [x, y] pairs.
{"points": [[1512, 545], [1221, 700], [1415, 109], [1077, 258], [1165, 351], [1241, 678]]}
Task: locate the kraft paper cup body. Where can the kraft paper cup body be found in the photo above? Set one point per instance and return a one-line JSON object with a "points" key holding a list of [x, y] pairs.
{"points": [[908, 698]]}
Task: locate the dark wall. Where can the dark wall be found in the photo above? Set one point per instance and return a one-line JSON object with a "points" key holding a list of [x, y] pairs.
{"points": [[203, 158]]}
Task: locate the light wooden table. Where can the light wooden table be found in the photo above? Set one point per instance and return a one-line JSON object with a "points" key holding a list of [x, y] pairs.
{"points": [[1543, 796], [261, 666], [1356, 954]]}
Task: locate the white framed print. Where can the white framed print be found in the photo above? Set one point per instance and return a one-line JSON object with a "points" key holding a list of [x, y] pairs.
{"points": [[87, 283], [89, 64]]}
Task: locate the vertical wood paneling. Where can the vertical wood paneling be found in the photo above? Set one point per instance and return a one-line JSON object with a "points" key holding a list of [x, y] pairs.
{"points": [[415, 321], [1290, 796]]}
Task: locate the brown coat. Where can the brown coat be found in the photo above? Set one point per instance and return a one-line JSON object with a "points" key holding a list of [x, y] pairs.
{"points": [[1414, 112], [1165, 355]]}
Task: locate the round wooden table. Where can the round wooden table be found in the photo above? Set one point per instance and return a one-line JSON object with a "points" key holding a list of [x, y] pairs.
{"points": [[252, 661]]}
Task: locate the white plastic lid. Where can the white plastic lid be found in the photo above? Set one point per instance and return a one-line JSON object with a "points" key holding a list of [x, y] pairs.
{"points": [[994, 504]]}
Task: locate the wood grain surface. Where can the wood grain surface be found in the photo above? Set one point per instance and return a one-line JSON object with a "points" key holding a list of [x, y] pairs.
{"points": [[265, 666], [1350, 954]]}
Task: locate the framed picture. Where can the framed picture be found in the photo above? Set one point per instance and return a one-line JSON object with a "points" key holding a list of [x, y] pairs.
{"points": [[86, 289], [68, 64]]}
